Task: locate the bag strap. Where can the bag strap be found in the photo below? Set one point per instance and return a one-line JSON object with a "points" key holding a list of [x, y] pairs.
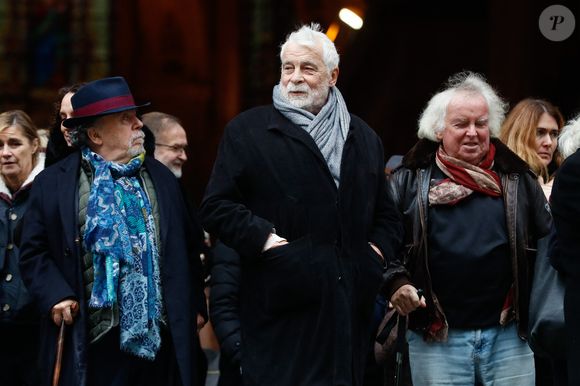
{"points": [[388, 327]]}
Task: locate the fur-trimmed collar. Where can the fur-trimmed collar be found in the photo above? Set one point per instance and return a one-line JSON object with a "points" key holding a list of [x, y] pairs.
{"points": [[26, 184], [422, 155]]}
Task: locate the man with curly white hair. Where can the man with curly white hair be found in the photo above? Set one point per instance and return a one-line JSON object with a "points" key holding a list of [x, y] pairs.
{"points": [[473, 213], [569, 139], [298, 190]]}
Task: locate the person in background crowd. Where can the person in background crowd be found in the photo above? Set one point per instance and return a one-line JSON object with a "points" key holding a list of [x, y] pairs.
{"points": [[565, 256], [531, 131], [170, 144], [19, 319], [170, 140], [473, 212], [106, 250], [60, 138], [392, 163], [569, 139], [298, 191]]}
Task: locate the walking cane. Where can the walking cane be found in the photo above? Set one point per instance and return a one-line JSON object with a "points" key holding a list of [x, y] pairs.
{"points": [[58, 361], [400, 349], [400, 345]]}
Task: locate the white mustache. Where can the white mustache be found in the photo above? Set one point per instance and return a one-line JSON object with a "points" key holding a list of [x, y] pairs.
{"points": [[297, 88], [137, 136]]}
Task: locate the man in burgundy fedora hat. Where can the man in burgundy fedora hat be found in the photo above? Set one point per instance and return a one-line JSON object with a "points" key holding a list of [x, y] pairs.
{"points": [[97, 252]]}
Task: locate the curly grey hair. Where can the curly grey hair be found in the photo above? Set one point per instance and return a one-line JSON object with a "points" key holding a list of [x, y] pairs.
{"points": [[432, 119], [569, 140]]}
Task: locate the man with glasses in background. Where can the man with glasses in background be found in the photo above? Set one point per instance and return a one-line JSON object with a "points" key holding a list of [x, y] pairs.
{"points": [[171, 150], [170, 140]]}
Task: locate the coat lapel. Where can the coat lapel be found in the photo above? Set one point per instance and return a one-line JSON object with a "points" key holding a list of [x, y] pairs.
{"points": [[283, 125], [280, 123], [153, 168], [67, 187]]}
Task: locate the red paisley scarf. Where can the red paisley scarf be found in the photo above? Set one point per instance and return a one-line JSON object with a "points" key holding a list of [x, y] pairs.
{"points": [[464, 179]]}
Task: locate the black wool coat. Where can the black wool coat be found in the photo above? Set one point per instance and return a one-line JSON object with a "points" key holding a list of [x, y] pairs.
{"points": [[565, 202], [306, 307], [50, 261], [224, 309], [224, 302]]}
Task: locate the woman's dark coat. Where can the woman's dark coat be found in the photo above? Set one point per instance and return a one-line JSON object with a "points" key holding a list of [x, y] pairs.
{"points": [[51, 266], [306, 307]]}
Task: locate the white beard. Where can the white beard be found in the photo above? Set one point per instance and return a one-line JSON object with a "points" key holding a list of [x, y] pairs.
{"points": [[135, 150], [312, 101], [176, 170]]}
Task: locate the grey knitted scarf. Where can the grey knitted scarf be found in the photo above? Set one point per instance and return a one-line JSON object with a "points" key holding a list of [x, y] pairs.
{"points": [[328, 128]]}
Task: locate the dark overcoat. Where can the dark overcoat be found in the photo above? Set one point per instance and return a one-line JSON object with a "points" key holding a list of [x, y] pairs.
{"points": [[224, 311], [306, 307], [565, 202], [50, 260]]}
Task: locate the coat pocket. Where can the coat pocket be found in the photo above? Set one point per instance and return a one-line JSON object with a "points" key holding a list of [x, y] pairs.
{"points": [[289, 278], [369, 277]]}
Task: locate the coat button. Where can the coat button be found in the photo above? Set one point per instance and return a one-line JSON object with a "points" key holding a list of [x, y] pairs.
{"points": [[340, 278], [10, 246], [6, 307], [9, 277], [13, 216]]}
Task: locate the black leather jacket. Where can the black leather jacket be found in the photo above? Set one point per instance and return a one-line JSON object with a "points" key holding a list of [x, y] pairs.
{"points": [[528, 218]]}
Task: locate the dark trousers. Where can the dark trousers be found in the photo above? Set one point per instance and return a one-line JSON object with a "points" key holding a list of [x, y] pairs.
{"points": [[19, 355], [560, 371], [109, 366]]}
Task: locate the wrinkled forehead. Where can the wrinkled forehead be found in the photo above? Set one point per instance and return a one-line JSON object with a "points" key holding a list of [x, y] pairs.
{"points": [[172, 133], [302, 51]]}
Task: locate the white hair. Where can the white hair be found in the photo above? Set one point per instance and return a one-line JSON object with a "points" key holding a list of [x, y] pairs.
{"points": [[569, 140], [432, 119], [312, 35]]}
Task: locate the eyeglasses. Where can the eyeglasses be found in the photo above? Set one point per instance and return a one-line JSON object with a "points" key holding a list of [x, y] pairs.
{"points": [[175, 148]]}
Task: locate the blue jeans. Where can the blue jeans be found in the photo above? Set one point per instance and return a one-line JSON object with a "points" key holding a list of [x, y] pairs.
{"points": [[490, 356]]}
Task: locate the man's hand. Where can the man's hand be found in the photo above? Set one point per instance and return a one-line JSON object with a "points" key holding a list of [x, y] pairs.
{"points": [[406, 300], [278, 244], [67, 310], [274, 241]]}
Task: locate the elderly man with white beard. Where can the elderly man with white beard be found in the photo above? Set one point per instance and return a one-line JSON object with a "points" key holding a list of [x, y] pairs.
{"points": [[298, 190]]}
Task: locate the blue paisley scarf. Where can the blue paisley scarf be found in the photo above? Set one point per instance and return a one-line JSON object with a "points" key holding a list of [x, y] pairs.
{"points": [[120, 234]]}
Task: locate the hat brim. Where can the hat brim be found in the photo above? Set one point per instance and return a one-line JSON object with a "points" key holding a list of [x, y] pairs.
{"points": [[71, 123]]}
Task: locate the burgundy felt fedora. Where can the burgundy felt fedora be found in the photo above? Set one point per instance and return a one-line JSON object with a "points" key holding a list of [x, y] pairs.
{"points": [[101, 97]]}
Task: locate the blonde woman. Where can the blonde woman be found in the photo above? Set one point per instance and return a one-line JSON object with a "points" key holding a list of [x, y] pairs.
{"points": [[19, 164], [531, 131]]}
